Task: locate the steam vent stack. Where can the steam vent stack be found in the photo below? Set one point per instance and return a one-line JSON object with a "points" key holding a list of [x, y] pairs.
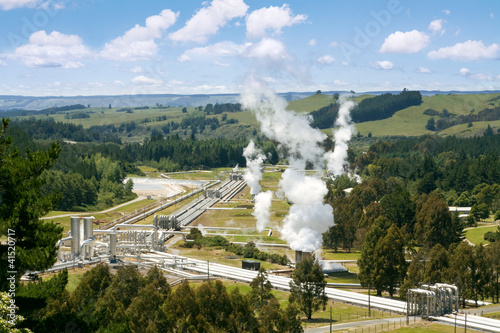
{"points": [[299, 255]]}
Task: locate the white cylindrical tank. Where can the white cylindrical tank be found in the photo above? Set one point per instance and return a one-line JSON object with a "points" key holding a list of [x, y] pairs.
{"points": [[112, 245], [88, 227], [75, 234]]}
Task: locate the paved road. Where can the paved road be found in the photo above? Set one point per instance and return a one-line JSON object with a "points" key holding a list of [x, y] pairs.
{"points": [[354, 324], [91, 213]]}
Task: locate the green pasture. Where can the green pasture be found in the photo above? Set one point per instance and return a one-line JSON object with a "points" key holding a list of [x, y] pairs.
{"points": [[476, 235]]}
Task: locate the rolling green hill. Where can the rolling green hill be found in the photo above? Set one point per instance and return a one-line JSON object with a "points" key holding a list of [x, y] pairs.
{"points": [[412, 120]]}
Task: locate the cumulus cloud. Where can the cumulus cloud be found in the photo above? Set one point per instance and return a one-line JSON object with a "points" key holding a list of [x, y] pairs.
{"points": [[272, 18], [436, 26], [326, 60], [312, 42], [405, 42], [474, 76], [207, 21], [464, 71], [267, 48], [52, 50], [11, 4], [470, 50], [446, 11], [142, 79], [384, 64], [424, 70], [139, 42]]}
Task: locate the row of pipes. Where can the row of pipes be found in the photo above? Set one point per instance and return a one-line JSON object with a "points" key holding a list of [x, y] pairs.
{"points": [[433, 300]]}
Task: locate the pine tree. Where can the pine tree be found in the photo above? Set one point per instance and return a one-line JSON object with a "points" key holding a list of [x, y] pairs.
{"points": [[308, 286], [21, 206]]}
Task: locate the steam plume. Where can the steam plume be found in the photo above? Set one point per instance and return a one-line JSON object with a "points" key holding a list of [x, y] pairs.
{"points": [[253, 173], [308, 218], [337, 159], [291, 130], [262, 209]]}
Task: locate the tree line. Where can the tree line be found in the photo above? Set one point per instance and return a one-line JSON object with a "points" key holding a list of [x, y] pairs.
{"points": [[370, 109], [447, 119], [129, 302], [221, 108]]}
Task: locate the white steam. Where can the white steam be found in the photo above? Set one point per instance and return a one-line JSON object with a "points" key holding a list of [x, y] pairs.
{"points": [[337, 159], [308, 218], [291, 130], [253, 172], [262, 209]]}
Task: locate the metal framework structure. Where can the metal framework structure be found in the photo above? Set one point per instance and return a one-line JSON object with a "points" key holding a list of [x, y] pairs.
{"points": [[433, 300]]}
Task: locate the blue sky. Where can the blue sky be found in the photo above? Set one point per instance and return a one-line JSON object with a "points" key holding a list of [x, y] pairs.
{"points": [[98, 47]]}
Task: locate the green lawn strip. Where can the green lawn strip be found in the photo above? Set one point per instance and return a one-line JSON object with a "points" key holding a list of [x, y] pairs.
{"points": [[476, 235], [340, 255], [493, 315]]}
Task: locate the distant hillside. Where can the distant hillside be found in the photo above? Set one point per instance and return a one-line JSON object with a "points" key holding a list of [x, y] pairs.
{"points": [[9, 102], [39, 103]]}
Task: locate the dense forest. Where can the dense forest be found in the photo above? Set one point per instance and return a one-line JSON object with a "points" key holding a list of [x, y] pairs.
{"points": [[373, 108], [400, 211]]}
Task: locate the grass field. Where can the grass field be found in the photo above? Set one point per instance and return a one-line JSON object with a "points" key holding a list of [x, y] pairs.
{"points": [[476, 235], [311, 103], [408, 122]]}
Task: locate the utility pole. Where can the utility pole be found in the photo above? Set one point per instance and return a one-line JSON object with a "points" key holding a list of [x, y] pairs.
{"points": [[330, 319], [369, 305]]}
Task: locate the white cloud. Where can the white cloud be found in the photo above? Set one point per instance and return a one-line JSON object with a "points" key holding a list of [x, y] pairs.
{"points": [[2, 63], [208, 20], [424, 70], [272, 18], [480, 77], [267, 48], [325, 60], [139, 43], [142, 79], [405, 42], [492, 16], [221, 64], [53, 50], [222, 49], [11, 4], [137, 70], [184, 58], [345, 64], [340, 83], [312, 42], [384, 64], [334, 44], [474, 76], [464, 71], [436, 26], [470, 50], [446, 11]]}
